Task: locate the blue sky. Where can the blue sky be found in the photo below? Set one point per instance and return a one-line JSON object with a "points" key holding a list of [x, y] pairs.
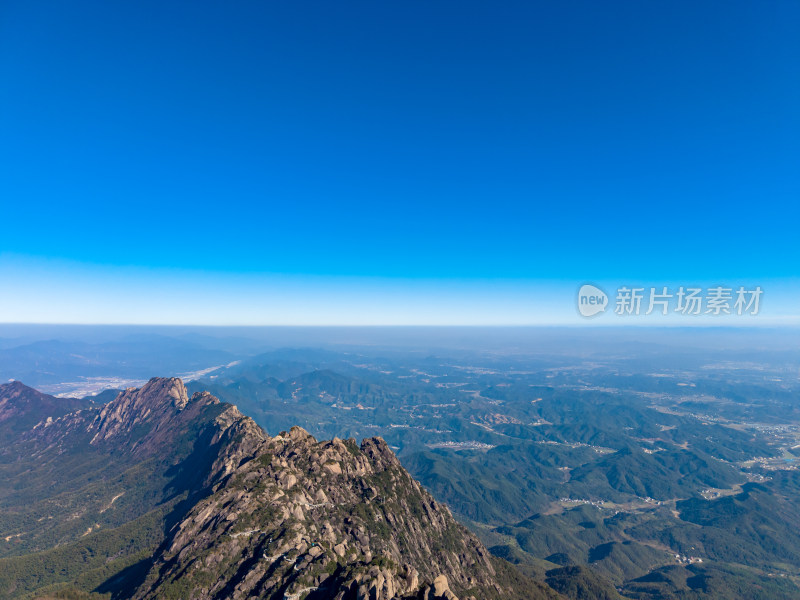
{"points": [[447, 162]]}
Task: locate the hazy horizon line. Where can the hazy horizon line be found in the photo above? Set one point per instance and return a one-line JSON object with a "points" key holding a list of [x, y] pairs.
{"points": [[594, 325]]}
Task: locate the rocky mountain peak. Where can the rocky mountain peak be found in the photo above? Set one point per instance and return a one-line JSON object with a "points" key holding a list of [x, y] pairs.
{"points": [[14, 388], [14, 395], [160, 390], [159, 398], [294, 517]]}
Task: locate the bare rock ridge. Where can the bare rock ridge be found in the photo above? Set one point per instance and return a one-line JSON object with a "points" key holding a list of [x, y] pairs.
{"points": [[294, 517], [133, 406], [332, 518], [261, 517], [141, 421]]}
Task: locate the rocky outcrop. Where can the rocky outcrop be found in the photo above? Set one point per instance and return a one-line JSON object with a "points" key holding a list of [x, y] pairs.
{"points": [[295, 517], [157, 399]]}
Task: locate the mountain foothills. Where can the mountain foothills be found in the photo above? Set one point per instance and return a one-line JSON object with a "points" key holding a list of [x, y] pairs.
{"points": [[641, 472], [158, 495]]}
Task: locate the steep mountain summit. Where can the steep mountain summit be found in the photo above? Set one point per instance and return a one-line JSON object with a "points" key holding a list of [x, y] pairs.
{"points": [[328, 519], [155, 400], [157, 495]]}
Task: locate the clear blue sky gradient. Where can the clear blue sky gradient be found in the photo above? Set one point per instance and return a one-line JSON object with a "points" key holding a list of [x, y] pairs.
{"points": [[460, 141]]}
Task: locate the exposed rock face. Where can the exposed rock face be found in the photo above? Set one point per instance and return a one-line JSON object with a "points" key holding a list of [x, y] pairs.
{"points": [[139, 421], [267, 517], [298, 516], [154, 401]]}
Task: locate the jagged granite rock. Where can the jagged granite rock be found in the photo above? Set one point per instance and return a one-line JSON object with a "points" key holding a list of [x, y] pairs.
{"points": [[295, 517], [245, 515], [154, 401]]}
